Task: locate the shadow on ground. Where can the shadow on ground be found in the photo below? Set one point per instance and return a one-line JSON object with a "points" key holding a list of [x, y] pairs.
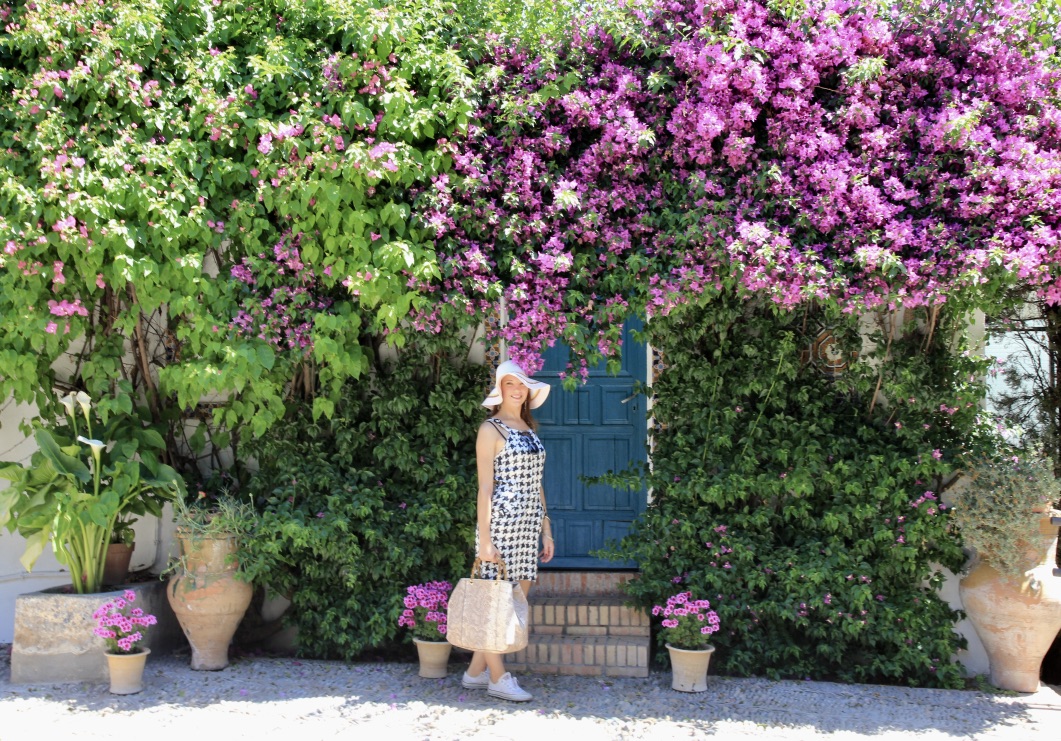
{"points": [[360, 693]]}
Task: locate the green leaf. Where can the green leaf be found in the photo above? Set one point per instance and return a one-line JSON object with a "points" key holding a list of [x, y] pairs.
{"points": [[64, 464], [35, 545]]}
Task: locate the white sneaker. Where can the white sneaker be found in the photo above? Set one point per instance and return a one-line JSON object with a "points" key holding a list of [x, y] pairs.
{"points": [[481, 682], [507, 688]]}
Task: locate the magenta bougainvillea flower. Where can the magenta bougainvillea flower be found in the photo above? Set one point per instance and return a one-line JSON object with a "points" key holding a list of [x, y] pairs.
{"points": [[845, 156]]}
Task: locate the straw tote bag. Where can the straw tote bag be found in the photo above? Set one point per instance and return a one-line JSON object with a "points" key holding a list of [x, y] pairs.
{"points": [[487, 614]]}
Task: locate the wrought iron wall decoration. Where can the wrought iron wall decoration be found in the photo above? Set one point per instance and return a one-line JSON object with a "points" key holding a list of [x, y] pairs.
{"points": [[827, 354]]}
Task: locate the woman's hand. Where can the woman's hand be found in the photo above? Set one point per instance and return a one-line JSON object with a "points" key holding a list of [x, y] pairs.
{"points": [[489, 553], [548, 548]]}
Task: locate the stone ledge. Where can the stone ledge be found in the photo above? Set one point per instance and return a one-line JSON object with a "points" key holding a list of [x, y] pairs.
{"points": [[54, 642]]}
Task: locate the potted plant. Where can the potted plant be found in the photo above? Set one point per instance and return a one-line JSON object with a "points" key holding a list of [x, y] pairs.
{"points": [[206, 589], [88, 470], [425, 616], [123, 627], [1002, 509], [120, 550], [686, 627]]}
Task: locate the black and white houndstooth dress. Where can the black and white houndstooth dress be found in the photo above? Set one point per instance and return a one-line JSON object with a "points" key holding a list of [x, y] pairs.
{"points": [[516, 508]]}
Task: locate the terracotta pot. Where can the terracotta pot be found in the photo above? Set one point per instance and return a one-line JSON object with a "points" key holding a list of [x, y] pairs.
{"points": [[434, 657], [1017, 627], [116, 568], [208, 599], [127, 672], [689, 668]]}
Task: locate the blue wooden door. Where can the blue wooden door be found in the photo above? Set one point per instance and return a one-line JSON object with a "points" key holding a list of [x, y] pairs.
{"points": [[599, 427]]}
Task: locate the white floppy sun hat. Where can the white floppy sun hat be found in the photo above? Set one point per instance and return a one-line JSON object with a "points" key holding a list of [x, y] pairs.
{"points": [[539, 390]]}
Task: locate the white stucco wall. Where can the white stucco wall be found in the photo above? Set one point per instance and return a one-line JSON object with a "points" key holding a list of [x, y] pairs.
{"points": [[14, 580]]}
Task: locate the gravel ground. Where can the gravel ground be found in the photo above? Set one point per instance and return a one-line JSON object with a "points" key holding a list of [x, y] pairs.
{"points": [[267, 698]]}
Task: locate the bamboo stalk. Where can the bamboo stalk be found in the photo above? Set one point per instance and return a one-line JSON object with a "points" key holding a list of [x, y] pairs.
{"points": [[880, 371], [142, 358], [933, 318]]}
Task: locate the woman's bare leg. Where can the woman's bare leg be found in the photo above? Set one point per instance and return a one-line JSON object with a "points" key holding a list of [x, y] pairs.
{"points": [[482, 660], [478, 664]]}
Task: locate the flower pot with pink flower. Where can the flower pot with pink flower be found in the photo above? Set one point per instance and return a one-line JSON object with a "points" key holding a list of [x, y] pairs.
{"points": [[124, 627], [425, 616], [686, 627]]}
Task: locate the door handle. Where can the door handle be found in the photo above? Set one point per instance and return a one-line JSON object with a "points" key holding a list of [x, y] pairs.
{"points": [[631, 397]]}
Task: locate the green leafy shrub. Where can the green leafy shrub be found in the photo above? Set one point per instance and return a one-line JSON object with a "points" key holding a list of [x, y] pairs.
{"points": [[379, 496], [805, 507], [172, 153]]}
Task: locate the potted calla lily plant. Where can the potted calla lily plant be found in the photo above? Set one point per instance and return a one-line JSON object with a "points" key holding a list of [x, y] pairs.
{"points": [[89, 470]]}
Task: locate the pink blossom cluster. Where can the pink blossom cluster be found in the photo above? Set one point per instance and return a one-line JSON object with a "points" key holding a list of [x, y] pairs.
{"points": [[686, 621], [372, 76], [67, 308], [513, 220], [281, 296], [425, 609], [121, 625], [850, 158], [933, 501]]}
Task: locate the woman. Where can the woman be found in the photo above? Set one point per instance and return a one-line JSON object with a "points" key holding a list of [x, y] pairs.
{"points": [[510, 510]]}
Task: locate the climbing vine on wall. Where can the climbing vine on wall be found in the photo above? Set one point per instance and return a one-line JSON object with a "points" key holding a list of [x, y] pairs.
{"points": [[808, 507]]}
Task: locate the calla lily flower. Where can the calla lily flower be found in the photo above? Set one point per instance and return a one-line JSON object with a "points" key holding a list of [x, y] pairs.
{"points": [[68, 403], [96, 445], [84, 401]]}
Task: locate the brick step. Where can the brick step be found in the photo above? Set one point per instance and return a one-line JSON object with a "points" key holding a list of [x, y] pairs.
{"points": [[608, 656], [587, 616], [580, 583]]}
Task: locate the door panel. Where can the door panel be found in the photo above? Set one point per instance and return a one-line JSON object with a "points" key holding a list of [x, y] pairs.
{"points": [[561, 476], [604, 454], [579, 537], [616, 409]]}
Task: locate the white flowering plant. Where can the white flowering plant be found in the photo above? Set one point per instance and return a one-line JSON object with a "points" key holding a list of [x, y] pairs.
{"points": [[87, 472], [687, 623], [997, 508]]}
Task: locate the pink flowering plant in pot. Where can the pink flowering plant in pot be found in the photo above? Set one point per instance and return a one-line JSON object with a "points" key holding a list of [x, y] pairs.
{"points": [[425, 610], [121, 625], [687, 623]]}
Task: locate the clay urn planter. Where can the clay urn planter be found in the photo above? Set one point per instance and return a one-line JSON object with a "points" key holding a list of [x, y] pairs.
{"points": [[434, 658], [207, 591], [207, 597], [126, 672], [1002, 509], [1017, 622], [689, 668]]}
